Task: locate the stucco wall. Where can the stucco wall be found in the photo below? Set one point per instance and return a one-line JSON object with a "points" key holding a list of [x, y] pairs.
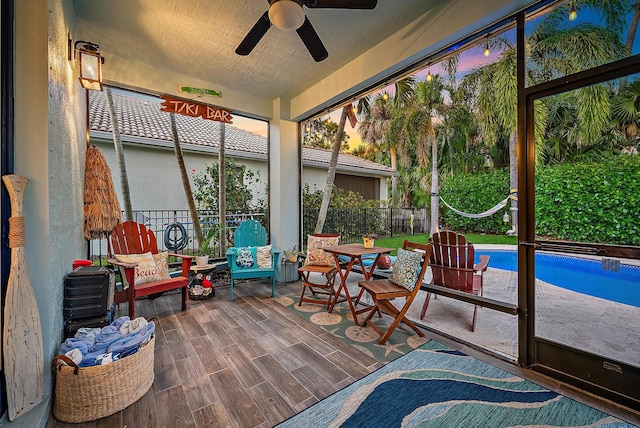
{"points": [[49, 150], [154, 177]]}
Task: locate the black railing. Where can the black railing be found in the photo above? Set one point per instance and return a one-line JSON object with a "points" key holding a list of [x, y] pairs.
{"points": [[161, 222], [351, 223]]}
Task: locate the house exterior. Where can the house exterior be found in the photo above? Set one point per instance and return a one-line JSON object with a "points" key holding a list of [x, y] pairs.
{"points": [[151, 164]]}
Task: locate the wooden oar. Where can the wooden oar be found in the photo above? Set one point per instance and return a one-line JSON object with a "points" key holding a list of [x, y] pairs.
{"points": [[22, 335]]}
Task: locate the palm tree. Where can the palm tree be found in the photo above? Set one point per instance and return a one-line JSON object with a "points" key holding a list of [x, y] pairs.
{"points": [[416, 128], [122, 165], [554, 49], [185, 179], [222, 194], [375, 114], [331, 173]]}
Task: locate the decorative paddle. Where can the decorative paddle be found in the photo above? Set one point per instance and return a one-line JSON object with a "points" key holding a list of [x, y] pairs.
{"points": [[22, 334]]}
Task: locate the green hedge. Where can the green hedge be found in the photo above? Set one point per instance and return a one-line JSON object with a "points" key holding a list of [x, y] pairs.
{"points": [[597, 202], [475, 193]]}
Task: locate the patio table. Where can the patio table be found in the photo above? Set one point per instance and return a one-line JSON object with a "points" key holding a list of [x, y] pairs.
{"points": [[354, 252]]}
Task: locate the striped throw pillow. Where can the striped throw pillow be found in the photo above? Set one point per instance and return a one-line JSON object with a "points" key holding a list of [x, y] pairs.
{"points": [[265, 259]]}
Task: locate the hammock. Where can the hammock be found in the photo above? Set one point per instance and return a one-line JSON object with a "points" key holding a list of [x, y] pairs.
{"points": [[487, 213]]}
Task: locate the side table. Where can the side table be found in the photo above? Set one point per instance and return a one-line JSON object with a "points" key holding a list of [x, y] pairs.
{"points": [[198, 274]]}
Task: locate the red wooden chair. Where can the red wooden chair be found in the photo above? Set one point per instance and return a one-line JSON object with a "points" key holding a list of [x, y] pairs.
{"points": [[133, 238], [452, 265]]}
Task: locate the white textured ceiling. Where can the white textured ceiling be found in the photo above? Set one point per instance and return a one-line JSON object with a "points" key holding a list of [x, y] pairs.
{"points": [[197, 38]]}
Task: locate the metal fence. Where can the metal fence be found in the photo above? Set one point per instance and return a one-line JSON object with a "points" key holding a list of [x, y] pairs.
{"points": [[175, 227], [351, 223]]}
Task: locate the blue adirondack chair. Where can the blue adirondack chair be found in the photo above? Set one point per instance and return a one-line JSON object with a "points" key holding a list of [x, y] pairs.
{"points": [[249, 256]]}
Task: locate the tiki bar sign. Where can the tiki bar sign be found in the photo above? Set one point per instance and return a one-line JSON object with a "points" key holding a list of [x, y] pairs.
{"points": [[193, 109]]}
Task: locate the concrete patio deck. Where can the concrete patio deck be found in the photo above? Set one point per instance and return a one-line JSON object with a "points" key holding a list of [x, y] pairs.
{"points": [[588, 323]]}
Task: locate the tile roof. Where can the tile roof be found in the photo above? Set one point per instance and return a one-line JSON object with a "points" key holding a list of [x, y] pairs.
{"points": [[141, 117]]}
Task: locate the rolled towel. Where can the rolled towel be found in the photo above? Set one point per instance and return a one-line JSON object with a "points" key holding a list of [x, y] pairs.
{"points": [[71, 343], [133, 326], [119, 321], [125, 345], [105, 339], [106, 358], [87, 333], [75, 355], [90, 359]]}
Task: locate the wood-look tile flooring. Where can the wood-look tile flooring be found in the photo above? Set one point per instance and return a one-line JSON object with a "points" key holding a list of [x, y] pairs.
{"points": [[247, 363], [253, 363]]}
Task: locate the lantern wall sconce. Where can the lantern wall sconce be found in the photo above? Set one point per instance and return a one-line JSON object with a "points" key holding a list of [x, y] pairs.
{"points": [[90, 61]]}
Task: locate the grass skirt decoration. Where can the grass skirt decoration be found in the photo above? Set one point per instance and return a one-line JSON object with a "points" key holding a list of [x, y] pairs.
{"points": [[101, 207]]}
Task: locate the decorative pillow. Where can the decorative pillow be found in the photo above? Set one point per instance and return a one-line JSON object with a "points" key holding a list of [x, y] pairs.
{"points": [[316, 256], [246, 257], [146, 271], [162, 264], [265, 259], [406, 269]]}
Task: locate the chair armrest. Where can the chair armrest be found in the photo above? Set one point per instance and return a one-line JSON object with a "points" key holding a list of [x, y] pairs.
{"points": [[482, 266], [182, 256], [125, 265]]}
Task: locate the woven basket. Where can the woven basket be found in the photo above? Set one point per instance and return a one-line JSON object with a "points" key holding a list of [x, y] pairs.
{"points": [[89, 393]]}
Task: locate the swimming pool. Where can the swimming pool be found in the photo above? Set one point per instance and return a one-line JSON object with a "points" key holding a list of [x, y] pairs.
{"points": [[577, 274]]}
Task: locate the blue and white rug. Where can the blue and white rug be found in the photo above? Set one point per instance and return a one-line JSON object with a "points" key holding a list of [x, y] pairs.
{"points": [[434, 386]]}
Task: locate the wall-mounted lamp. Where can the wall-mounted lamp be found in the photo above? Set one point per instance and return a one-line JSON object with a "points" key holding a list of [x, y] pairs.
{"points": [[487, 52], [90, 63], [506, 218], [573, 14], [385, 96], [429, 76], [307, 128]]}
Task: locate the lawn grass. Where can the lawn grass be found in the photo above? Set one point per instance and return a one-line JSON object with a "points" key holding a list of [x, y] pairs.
{"points": [[396, 241]]}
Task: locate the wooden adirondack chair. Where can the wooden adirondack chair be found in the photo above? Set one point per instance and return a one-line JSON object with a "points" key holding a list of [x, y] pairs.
{"points": [[452, 265], [249, 235], [134, 238]]}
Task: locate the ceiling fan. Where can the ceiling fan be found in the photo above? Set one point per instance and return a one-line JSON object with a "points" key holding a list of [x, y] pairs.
{"points": [[289, 15]]}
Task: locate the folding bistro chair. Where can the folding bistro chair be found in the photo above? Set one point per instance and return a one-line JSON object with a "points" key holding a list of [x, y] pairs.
{"points": [[405, 280], [321, 265]]}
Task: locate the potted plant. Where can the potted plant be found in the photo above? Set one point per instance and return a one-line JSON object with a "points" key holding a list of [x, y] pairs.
{"points": [[292, 256], [369, 239], [202, 259]]}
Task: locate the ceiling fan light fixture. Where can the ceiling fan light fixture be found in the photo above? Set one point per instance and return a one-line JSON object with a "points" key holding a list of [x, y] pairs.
{"points": [[286, 14]]}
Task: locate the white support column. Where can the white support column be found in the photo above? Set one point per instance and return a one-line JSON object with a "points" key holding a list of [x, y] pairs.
{"points": [[284, 170]]}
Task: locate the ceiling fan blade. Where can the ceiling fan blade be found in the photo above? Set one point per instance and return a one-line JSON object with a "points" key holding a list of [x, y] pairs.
{"points": [[341, 4], [254, 35], [312, 41]]}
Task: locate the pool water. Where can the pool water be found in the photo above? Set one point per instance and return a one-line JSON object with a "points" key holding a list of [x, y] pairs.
{"points": [[577, 274]]}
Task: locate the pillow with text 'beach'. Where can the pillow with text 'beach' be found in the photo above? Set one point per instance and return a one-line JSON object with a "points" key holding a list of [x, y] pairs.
{"points": [[316, 256], [406, 268], [265, 259], [246, 257], [146, 271]]}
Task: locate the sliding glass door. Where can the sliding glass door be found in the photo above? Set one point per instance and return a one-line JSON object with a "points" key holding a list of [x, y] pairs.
{"points": [[582, 233]]}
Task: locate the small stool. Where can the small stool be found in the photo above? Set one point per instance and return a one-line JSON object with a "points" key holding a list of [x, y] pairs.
{"points": [[326, 288]]}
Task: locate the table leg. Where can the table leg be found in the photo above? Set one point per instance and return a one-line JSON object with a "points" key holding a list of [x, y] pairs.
{"points": [[343, 285]]}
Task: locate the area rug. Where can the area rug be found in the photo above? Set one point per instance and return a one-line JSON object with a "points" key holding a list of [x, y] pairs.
{"points": [[434, 386], [340, 323]]}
